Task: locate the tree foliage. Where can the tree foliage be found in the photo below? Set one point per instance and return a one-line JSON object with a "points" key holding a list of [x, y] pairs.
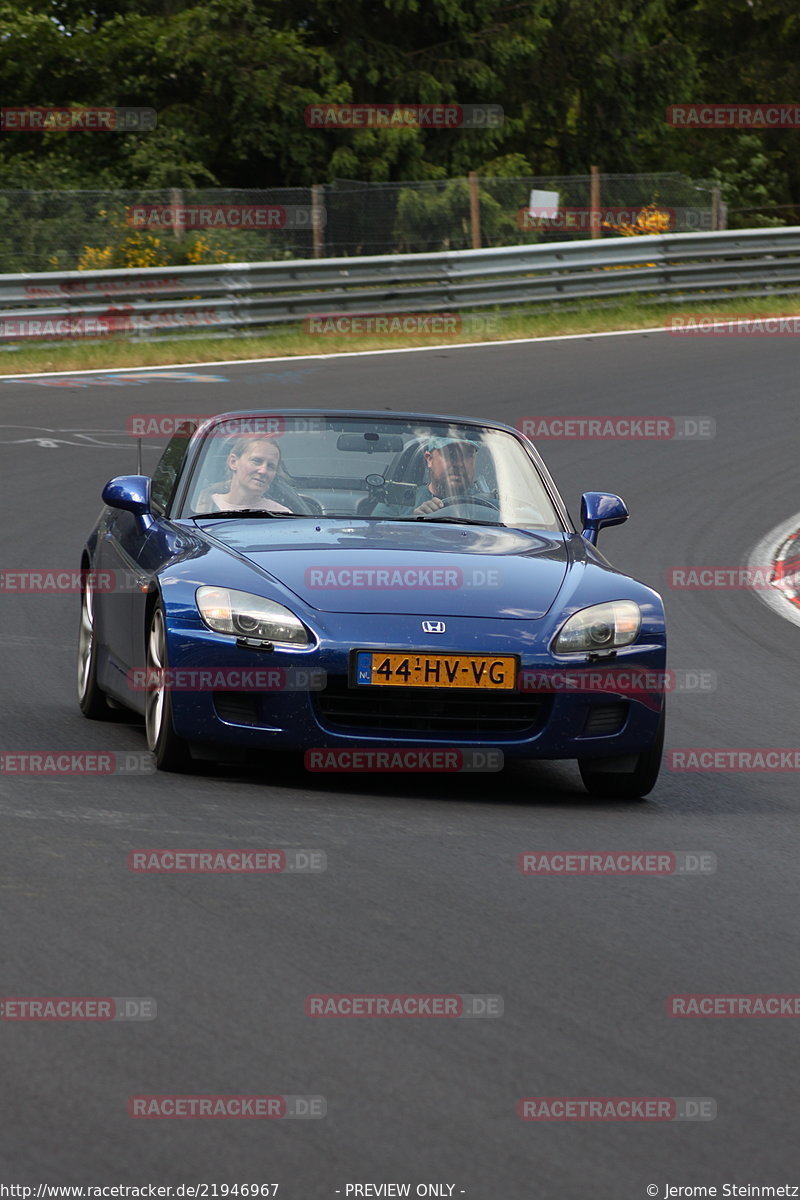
{"points": [[231, 79]]}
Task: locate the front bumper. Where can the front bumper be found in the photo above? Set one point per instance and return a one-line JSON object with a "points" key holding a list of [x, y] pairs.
{"points": [[523, 726]]}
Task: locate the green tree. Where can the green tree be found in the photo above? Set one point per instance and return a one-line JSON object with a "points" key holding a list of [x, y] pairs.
{"points": [[231, 79]]}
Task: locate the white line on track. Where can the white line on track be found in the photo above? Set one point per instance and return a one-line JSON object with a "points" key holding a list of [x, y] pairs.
{"points": [[765, 552]]}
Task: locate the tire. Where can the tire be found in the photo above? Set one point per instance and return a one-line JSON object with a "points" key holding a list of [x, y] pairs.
{"points": [[625, 785], [171, 753], [91, 698]]}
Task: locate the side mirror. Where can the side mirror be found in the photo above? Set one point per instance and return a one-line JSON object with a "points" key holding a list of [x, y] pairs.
{"points": [[599, 509], [129, 492]]}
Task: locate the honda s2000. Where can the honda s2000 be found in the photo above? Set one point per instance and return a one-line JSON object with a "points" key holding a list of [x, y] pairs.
{"points": [[408, 580]]}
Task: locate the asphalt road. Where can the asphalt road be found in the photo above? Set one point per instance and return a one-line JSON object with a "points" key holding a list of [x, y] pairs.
{"points": [[421, 893]]}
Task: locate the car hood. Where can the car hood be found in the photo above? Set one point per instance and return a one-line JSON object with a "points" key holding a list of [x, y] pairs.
{"points": [[398, 567]]}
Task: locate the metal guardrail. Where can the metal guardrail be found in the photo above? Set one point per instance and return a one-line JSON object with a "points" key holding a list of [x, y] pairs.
{"points": [[234, 297]]}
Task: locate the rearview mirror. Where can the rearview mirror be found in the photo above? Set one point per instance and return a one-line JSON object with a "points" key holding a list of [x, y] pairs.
{"points": [[599, 509], [370, 443]]}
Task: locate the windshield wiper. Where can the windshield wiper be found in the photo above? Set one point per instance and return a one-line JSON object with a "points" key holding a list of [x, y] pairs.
{"points": [[244, 512], [457, 521]]}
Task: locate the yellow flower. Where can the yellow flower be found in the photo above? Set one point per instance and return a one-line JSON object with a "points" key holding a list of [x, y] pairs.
{"points": [[650, 220], [95, 259]]}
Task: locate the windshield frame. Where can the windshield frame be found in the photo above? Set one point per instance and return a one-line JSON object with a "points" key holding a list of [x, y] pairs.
{"points": [[179, 509]]}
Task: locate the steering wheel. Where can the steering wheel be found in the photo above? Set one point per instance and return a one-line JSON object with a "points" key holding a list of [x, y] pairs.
{"points": [[466, 498], [313, 506]]}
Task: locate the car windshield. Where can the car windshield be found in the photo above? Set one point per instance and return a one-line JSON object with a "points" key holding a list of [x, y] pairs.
{"points": [[375, 469]]}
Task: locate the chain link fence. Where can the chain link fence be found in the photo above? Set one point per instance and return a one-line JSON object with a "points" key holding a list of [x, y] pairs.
{"points": [[409, 218], [93, 230], [764, 216]]}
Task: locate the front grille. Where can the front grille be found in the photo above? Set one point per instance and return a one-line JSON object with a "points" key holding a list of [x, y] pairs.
{"points": [[487, 715], [605, 719]]}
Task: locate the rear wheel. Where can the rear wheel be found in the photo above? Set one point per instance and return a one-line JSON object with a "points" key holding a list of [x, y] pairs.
{"points": [[91, 698], [608, 784], [171, 752]]}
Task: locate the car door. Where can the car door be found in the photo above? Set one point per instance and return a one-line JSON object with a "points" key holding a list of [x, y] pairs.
{"points": [[137, 548]]}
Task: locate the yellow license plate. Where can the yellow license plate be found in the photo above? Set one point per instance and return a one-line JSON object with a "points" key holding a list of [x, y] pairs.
{"points": [[492, 672]]}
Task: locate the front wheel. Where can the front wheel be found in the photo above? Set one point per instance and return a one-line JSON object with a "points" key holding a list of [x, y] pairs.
{"points": [[608, 784], [91, 698], [171, 752]]}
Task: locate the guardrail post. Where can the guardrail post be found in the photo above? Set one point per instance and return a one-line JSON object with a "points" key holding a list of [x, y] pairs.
{"points": [[317, 211], [594, 203], [176, 200], [475, 210]]}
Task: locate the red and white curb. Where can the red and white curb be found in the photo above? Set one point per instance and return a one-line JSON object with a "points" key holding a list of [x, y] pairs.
{"points": [[780, 548]]}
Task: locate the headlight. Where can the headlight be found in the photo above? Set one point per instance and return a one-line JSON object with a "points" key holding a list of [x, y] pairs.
{"points": [[227, 611], [601, 627]]}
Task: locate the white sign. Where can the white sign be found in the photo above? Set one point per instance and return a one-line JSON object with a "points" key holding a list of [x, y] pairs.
{"points": [[543, 205]]}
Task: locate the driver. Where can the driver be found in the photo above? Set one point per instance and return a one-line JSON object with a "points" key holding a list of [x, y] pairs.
{"points": [[451, 467], [451, 473]]}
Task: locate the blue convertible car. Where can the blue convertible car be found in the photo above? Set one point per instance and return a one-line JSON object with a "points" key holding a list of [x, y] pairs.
{"points": [[330, 581]]}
